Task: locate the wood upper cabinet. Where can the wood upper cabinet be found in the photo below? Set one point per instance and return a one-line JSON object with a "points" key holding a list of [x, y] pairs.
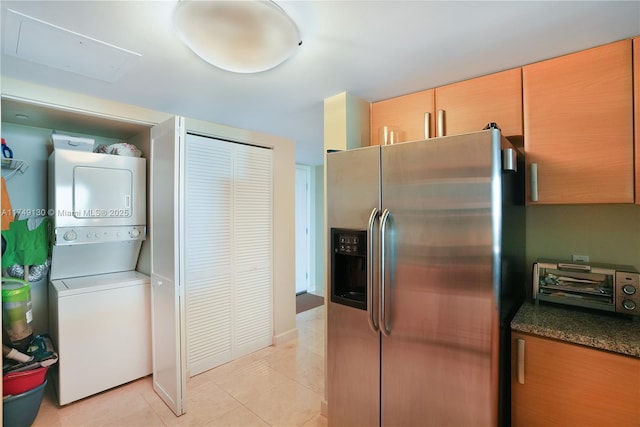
{"points": [[578, 127], [406, 113], [468, 106], [636, 97], [571, 385]]}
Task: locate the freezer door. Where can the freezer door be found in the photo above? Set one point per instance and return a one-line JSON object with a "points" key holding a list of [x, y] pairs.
{"points": [[353, 187], [440, 319], [353, 348]]}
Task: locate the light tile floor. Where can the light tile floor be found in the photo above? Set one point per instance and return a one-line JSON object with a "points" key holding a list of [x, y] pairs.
{"points": [[276, 386]]}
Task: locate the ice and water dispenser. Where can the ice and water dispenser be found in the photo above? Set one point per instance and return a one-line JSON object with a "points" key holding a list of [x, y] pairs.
{"points": [[349, 267]]}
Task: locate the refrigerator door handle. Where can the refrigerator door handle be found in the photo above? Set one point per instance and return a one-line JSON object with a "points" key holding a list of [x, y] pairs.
{"points": [[384, 328], [370, 272]]}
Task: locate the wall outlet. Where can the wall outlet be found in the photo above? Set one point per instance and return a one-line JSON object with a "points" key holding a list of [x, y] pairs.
{"points": [[580, 258]]}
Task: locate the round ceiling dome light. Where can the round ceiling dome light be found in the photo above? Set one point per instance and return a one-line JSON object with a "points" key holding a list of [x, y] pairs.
{"points": [[238, 36]]}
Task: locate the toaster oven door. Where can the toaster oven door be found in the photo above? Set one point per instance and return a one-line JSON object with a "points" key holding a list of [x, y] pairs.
{"points": [[574, 284]]}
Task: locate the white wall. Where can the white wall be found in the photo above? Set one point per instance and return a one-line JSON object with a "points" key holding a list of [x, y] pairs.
{"points": [[28, 190], [318, 233]]}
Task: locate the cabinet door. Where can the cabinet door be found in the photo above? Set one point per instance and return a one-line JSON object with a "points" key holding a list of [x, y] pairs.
{"points": [[407, 114], [636, 97], [253, 248], [167, 291], [578, 126], [469, 105], [208, 256], [570, 385]]}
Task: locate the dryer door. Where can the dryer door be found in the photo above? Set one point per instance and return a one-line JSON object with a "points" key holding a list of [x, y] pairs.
{"points": [[102, 192], [96, 190]]}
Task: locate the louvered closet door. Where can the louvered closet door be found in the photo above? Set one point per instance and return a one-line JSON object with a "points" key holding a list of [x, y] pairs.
{"points": [[228, 251], [208, 252], [253, 248]]}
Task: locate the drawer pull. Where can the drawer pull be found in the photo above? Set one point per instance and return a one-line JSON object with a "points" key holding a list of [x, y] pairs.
{"points": [[520, 362]]}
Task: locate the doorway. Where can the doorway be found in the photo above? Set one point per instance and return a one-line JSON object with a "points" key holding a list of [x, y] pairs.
{"points": [[303, 228]]}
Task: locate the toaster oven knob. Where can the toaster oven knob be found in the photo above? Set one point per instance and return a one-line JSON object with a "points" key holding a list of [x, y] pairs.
{"points": [[628, 289], [628, 304], [70, 235]]}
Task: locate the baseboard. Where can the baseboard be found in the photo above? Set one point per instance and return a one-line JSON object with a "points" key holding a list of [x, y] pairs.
{"points": [[324, 410], [285, 337]]}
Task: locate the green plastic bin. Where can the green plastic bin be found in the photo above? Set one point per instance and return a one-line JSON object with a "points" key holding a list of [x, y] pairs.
{"points": [[17, 314]]}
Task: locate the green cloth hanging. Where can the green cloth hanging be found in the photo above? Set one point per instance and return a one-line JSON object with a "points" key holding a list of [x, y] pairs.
{"points": [[24, 246]]}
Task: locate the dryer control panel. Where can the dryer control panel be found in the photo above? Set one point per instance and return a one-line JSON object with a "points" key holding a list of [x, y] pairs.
{"points": [[65, 236]]}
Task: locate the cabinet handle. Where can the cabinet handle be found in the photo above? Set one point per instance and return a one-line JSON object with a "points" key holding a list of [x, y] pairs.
{"points": [[427, 125], [534, 182], [440, 123], [520, 362]]}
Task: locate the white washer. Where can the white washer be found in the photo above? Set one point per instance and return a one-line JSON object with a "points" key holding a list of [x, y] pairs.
{"points": [[101, 328]]}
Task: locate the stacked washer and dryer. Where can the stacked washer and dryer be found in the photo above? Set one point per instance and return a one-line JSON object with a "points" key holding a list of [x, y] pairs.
{"points": [[99, 305]]}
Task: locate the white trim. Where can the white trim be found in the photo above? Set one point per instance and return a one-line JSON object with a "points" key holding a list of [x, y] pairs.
{"points": [[285, 337], [306, 251]]}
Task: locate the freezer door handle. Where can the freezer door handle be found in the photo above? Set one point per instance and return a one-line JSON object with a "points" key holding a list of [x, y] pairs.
{"points": [[384, 326], [370, 272]]}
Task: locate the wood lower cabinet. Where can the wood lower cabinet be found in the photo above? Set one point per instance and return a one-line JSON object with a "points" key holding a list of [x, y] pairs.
{"points": [[554, 383], [578, 127], [636, 98], [407, 114], [468, 106]]}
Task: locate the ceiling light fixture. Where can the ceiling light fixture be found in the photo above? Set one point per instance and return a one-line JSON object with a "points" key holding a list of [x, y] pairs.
{"points": [[239, 36]]}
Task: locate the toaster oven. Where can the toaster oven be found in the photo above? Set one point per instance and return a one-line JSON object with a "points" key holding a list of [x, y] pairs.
{"points": [[607, 287]]}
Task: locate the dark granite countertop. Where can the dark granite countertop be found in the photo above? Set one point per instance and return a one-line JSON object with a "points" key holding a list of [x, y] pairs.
{"points": [[604, 331]]}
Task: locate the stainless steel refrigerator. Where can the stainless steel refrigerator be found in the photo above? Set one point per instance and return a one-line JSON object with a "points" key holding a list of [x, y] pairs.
{"points": [[426, 267]]}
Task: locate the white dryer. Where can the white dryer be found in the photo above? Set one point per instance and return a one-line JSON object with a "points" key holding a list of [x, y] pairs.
{"points": [[98, 205]]}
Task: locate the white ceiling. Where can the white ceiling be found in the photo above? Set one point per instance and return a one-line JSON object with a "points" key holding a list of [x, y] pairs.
{"points": [[371, 49]]}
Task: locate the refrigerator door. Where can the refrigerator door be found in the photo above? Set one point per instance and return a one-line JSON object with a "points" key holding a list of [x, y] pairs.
{"points": [[353, 348], [440, 319]]}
